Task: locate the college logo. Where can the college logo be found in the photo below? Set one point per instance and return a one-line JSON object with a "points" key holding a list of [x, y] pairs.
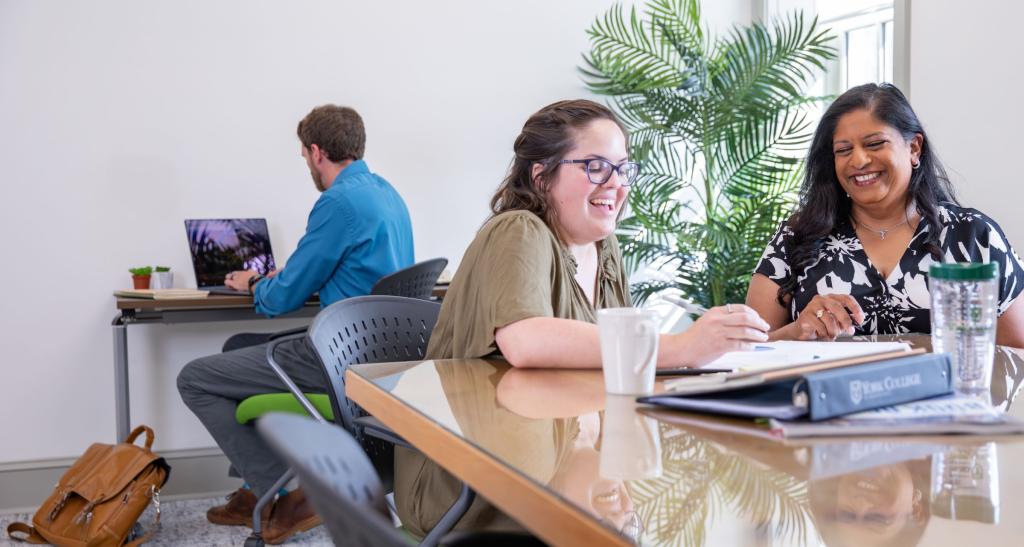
{"points": [[865, 389], [856, 392]]}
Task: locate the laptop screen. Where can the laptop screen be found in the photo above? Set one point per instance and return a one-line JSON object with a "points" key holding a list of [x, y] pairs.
{"points": [[224, 245]]}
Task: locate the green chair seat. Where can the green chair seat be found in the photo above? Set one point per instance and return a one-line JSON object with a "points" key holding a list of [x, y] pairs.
{"points": [[258, 405]]}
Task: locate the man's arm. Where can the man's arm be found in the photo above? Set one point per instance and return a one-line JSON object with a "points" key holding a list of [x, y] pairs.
{"points": [[311, 265]]}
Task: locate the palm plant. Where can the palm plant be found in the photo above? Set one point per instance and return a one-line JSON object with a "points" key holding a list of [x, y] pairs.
{"points": [[701, 479], [719, 126]]}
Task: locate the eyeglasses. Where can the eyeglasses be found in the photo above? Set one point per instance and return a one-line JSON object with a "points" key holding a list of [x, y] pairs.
{"points": [[599, 170]]}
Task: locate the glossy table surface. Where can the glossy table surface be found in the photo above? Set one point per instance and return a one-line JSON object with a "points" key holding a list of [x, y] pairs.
{"points": [[577, 467]]}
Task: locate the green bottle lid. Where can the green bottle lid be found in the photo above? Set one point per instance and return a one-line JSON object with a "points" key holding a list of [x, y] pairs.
{"points": [[964, 271]]}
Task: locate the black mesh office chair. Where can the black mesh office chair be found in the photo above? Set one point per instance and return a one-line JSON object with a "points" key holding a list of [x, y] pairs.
{"points": [[364, 329], [343, 488], [416, 281]]}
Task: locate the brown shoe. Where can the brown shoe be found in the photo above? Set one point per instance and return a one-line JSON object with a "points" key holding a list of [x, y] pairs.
{"points": [[292, 514], [238, 510]]}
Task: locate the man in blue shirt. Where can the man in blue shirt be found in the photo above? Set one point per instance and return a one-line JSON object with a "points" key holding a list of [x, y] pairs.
{"points": [[357, 232]]}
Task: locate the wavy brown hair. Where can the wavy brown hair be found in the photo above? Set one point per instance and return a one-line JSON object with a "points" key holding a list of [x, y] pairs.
{"points": [[546, 137]]}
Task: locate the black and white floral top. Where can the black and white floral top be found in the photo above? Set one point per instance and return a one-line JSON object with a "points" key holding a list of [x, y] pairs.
{"points": [[899, 304]]}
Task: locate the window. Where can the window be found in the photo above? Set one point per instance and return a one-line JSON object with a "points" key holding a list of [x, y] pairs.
{"points": [[864, 42]]}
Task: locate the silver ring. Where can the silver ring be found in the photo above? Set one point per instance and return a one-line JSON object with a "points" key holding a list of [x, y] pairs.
{"points": [[728, 308], [819, 313]]}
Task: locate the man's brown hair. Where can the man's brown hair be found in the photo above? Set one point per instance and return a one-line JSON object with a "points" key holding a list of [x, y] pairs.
{"points": [[337, 130]]}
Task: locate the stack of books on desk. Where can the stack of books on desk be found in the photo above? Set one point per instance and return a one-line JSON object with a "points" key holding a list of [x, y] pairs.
{"points": [[161, 294]]}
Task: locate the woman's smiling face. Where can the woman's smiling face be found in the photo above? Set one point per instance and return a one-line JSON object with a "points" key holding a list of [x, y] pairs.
{"points": [[873, 161], [586, 212]]}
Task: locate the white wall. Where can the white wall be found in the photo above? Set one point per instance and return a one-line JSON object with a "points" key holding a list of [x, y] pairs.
{"points": [[966, 79], [119, 119]]}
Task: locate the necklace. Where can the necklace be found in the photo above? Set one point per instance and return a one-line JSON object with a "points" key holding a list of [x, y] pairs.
{"points": [[883, 231]]}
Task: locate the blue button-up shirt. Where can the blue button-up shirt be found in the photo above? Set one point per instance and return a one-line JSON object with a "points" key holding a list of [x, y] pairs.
{"points": [[358, 231]]}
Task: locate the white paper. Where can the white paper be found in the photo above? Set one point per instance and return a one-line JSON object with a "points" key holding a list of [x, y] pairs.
{"points": [[953, 405], [771, 355]]}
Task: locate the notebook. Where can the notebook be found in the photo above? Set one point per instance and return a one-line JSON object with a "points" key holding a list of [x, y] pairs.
{"points": [[161, 294], [224, 245]]}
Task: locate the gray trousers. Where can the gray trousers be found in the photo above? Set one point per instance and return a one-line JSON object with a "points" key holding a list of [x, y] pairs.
{"points": [[213, 386]]}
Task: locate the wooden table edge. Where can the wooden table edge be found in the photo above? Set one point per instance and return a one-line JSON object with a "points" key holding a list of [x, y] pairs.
{"points": [[552, 519]]}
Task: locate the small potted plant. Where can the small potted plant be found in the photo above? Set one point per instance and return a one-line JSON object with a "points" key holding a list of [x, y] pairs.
{"points": [[162, 278], [141, 276]]}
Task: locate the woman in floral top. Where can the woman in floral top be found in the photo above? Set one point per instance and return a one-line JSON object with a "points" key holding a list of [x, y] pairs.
{"points": [[876, 210]]}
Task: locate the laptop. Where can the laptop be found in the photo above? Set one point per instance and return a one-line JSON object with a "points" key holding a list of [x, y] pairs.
{"points": [[220, 246]]}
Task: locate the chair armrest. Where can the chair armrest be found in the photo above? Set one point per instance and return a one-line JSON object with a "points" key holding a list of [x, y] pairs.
{"points": [[373, 427], [288, 332], [288, 382]]}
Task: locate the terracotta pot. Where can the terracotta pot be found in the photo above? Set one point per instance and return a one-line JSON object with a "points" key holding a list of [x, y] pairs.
{"points": [[141, 281]]}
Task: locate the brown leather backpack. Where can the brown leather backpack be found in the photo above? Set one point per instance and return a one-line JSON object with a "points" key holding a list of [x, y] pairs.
{"points": [[98, 500]]}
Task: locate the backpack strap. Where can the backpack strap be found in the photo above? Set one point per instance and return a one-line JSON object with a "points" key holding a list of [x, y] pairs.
{"points": [[138, 431], [152, 529], [31, 536]]}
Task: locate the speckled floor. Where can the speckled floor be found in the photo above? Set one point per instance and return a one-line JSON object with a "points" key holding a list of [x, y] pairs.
{"points": [[183, 523]]}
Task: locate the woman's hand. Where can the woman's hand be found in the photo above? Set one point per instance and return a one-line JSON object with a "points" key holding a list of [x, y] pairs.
{"points": [[733, 327], [825, 317]]}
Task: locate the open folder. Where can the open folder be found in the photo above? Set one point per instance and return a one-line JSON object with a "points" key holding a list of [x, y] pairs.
{"points": [[817, 390]]}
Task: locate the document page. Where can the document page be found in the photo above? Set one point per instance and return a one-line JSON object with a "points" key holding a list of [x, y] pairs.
{"points": [[772, 355]]}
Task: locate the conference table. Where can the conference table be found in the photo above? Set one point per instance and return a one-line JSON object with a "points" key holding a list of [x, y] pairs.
{"points": [[578, 467]]}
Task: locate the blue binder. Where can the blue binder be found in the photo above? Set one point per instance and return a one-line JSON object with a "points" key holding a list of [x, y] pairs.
{"points": [[827, 393]]}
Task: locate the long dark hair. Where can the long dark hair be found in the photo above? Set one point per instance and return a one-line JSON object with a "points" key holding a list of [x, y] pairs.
{"points": [[823, 203], [546, 137]]}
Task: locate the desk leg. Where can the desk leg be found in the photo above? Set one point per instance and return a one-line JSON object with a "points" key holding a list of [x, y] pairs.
{"points": [[122, 420]]}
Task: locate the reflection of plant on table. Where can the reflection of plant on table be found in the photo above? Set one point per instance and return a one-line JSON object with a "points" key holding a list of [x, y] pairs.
{"points": [[701, 480], [718, 125]]}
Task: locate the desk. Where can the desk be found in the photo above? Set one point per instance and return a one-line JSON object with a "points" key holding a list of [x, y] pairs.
{"points": [[136, 311], [668, 483]]}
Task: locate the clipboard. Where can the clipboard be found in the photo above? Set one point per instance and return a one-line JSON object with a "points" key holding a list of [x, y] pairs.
{"points": [[724, 381]]}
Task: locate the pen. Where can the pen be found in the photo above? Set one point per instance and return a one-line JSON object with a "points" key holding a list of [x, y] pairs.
{"points": [[690, 371], [685, 304]]}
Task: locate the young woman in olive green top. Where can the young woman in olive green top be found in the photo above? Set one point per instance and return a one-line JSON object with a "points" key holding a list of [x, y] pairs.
{"points": [[531, 281]]}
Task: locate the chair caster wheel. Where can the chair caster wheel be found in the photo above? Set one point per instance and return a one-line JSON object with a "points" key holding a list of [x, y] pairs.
{"points": [[254, 540]]}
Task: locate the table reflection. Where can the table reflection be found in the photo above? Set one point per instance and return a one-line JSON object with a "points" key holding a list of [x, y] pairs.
{"points": [[665, 477], [885, 505]]}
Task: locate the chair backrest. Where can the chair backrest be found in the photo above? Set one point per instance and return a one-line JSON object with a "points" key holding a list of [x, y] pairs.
{"points": [[416, 281], [337, 477], [368, 329]]}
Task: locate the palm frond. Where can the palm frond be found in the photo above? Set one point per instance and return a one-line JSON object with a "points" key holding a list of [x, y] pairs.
{"points": [[628, 56], [758, 69], [719, 126]]}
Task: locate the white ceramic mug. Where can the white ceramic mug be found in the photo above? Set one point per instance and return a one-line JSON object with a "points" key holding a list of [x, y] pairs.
{"points": [[630, 441], [629, 350]]}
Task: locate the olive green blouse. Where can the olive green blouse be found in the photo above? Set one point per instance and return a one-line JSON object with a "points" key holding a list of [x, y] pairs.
{"points": [[514, 269]]}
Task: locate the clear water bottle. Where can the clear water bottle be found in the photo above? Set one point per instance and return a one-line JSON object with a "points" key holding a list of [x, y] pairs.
{"points": [[964, 300]]}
